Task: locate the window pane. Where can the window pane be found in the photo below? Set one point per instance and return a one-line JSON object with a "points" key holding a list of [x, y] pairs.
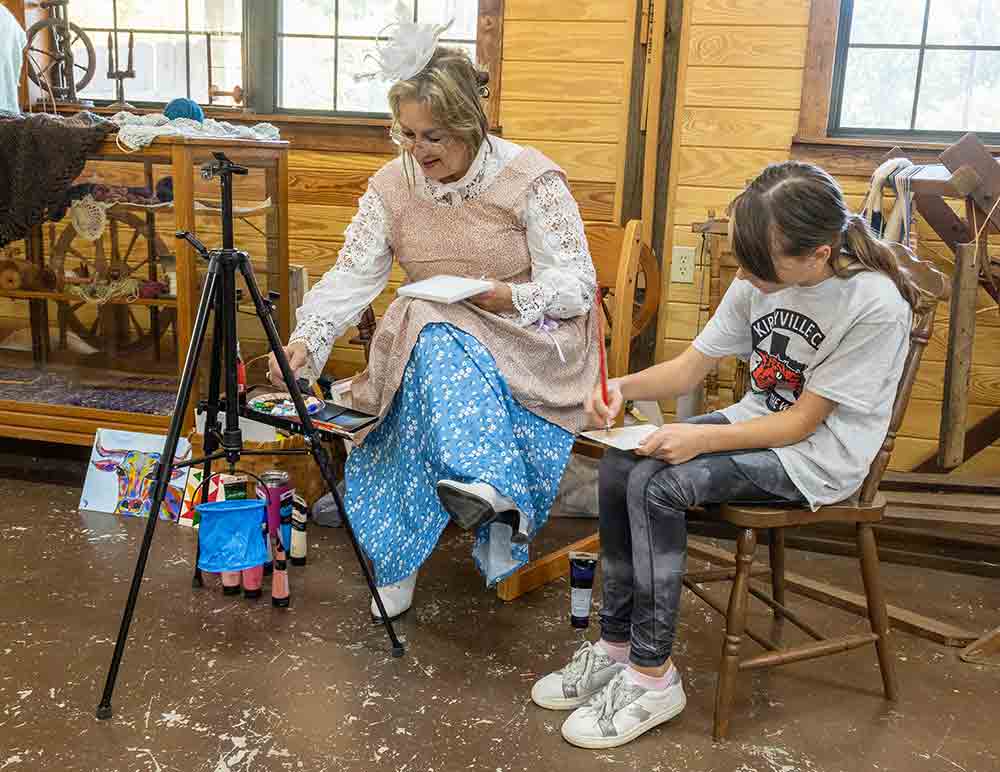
{"points": [[369, 17], [160, 67], [878, 89], [960, 91], [306, 74], [469, 48], [366, 96], [964, 22], [100, 87], [159, 63], [227, 66], [144, 14], [464, 12], [199, 69], [888, 21], [307, 17], [91, 13], [215, 15]]}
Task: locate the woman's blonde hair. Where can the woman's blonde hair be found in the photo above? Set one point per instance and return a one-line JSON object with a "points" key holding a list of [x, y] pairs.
{"points": [[452, 86]]}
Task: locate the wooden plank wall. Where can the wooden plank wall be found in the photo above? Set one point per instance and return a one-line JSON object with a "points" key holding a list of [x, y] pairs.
{"points": [[739, 91], [563, 91]]}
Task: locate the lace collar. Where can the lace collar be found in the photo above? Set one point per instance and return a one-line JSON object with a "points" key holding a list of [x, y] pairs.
{"points": [[485, 167]]}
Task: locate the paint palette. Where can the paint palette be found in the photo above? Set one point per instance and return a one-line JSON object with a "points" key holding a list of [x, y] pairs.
{"points": [[280, 405]]}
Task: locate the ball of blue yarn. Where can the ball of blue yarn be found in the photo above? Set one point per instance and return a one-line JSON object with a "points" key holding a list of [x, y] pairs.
{"points": [[182, 107]]}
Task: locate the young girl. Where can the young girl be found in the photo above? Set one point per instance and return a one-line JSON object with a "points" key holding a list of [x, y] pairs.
{"points": [[825, 351]]}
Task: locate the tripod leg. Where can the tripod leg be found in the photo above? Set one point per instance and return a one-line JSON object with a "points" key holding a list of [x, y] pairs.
{"points": [[211, 442], [313, 439], [163, 471]]}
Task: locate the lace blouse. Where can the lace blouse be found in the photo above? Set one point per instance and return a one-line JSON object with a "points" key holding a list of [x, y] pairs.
{"points": [[563, 278]]}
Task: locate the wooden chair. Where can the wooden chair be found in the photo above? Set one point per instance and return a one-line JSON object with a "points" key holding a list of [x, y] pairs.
{"points": [[866, 508], [620, 258]]}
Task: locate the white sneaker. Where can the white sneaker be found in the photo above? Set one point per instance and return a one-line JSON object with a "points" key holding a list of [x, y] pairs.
{"points": [[473, 504], [396, 598], [622, 712], [590, 670]]}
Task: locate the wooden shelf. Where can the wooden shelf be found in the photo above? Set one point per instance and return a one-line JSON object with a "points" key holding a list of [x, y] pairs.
{"points": [[63, 297]]}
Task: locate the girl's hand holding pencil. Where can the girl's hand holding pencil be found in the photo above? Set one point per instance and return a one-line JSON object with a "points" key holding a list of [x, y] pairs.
{"points": [[601, 413]]}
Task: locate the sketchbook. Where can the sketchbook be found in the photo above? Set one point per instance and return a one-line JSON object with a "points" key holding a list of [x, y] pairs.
{"points": [[622, 437], [445, 289]]}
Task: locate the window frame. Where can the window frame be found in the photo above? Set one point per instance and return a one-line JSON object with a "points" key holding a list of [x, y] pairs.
{"points": [[843, 47], [822, 92]]}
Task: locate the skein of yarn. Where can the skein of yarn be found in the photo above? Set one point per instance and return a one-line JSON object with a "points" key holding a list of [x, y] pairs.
{"points": [[182, 107]]}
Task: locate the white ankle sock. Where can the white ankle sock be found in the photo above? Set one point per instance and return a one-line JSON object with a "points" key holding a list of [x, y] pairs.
{"points": [[617, 651], [665, 681]]}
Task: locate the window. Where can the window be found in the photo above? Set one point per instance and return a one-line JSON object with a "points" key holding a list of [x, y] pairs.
{"points": [[922, 68], [322, 46], [189, 48], [302, 55]]}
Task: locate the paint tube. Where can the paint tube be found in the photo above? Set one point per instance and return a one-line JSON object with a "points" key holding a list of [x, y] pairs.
{"points": [[582, 566], [299, 544]]}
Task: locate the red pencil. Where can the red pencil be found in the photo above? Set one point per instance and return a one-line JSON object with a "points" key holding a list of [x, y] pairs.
{"points": [[599, 311]]}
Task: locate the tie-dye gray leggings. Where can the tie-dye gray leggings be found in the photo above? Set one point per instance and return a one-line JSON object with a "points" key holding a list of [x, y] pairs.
{"points": [[644, 533]]}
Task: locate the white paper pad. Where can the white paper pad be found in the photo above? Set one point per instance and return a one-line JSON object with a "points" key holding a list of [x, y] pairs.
{"points": [[445, 289], [622, 437]]}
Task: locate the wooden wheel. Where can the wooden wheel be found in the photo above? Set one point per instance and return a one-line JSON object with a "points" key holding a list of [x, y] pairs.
{"points": [[70, 243], [48, 42], [98, 262]]}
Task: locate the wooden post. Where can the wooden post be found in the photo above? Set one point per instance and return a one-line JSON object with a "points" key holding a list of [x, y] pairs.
{"points": [[284, 313], [958, 370], [187, 266]]}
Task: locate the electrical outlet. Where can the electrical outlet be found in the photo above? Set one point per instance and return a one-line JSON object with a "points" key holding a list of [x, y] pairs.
{"points": [[682, 265]]}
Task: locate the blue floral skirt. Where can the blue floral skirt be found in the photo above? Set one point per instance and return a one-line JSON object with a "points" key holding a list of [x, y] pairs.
{"points": [[452, 418]]}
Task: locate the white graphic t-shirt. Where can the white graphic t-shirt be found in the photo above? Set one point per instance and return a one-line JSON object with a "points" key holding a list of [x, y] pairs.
{"points": [[843, 339]]}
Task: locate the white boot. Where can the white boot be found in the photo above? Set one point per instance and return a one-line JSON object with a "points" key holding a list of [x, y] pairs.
{"points": [[472, 504], [396, 598]]}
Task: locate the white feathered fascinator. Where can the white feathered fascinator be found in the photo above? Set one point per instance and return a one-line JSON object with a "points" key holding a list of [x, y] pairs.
{"points": [[403, 48]]}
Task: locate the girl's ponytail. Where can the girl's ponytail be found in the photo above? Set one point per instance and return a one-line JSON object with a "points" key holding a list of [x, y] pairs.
{"points": [[861, 243]]}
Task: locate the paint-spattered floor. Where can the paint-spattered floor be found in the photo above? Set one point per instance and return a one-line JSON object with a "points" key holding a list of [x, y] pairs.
{"points": [[211, 684]]}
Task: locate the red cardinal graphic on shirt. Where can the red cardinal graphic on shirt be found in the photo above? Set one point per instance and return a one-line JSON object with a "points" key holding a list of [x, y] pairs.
{"points": [[773, 372]]}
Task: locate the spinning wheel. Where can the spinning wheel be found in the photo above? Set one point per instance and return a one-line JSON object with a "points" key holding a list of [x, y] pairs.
{"points": [[114, 322], [53, 61], [605, 243]]}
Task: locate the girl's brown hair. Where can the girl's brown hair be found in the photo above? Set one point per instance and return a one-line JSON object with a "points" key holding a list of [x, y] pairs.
{"points": [[791, 209], [452, 86]]}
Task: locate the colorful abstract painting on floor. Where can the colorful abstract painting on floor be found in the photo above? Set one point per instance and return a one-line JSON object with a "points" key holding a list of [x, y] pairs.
{"points": [[122, 472]]}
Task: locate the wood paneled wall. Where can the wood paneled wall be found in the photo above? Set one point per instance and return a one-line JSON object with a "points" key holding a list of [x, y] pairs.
{"points": [[739, 91], [564, 91]]}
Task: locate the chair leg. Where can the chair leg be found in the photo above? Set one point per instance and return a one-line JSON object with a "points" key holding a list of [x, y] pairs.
{"points": [[876, 609], [776, 548], [736, 619]]}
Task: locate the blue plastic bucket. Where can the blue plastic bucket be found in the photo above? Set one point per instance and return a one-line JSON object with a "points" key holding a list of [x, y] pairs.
{"points": [[229, 535]]}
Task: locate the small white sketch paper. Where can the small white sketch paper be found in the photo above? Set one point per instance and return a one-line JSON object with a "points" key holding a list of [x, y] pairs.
{"points": [[445, 289], [622, 437]]}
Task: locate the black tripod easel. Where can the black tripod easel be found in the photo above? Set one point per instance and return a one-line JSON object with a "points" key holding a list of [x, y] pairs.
{"points": [[219, 296]]}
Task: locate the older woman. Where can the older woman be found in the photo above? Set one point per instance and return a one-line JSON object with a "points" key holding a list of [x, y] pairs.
{"points": [[479, 401]]}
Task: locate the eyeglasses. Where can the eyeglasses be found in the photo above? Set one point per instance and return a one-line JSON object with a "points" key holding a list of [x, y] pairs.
{"points": [[410, 143]]}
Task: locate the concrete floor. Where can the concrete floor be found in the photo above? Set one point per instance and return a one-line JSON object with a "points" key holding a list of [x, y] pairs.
{"points": [[212, 684]]}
